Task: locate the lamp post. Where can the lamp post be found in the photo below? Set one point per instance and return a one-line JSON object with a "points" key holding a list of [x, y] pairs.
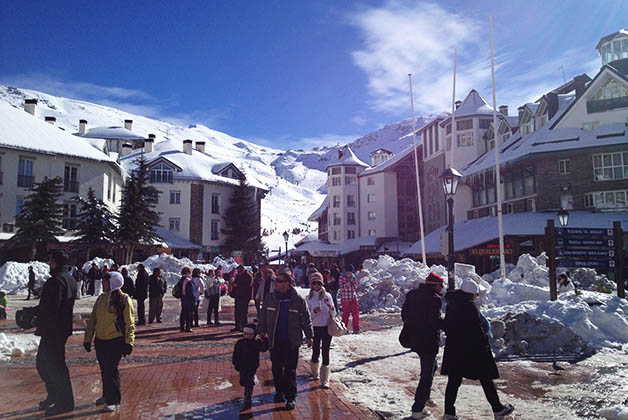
{"points": [[450, 178], [563, 217], [286, 235]]}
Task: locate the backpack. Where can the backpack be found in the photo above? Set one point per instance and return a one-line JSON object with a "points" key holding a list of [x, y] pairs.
{"points": [[176, 290]]}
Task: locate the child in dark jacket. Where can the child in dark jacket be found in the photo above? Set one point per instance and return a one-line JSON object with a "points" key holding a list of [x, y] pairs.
{"points": [[246, 359]]}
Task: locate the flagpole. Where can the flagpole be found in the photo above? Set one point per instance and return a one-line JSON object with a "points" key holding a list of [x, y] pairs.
{"points": [[453, 118], [498, 185], [416, 165]]}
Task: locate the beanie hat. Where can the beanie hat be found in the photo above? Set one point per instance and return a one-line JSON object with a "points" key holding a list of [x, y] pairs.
{"points": [[316, 276], [434, 278], [351, 268], [469, 286], [115, 280]]}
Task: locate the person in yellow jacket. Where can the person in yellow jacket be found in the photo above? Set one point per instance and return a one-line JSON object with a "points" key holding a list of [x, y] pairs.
{"points": [[113, 323]]}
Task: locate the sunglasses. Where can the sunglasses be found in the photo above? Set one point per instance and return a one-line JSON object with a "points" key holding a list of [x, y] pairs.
{"points": [[317, 283], [281, 280]]}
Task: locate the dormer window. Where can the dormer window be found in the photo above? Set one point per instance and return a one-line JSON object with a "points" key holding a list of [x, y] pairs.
{"points": [[615, 49], [527, 123], [161, 174], [612, 95]]}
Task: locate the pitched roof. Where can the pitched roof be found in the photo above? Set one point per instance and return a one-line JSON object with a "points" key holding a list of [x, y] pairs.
{"points": [[347, 158], [473, 104], [390, 162], [319, 211]]}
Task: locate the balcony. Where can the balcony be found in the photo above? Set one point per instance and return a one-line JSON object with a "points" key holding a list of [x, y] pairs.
{"points": [[25, 181], [607, 104], [161, 178], [70, 186]]}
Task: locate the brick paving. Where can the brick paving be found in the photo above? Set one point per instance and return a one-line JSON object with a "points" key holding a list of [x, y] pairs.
{"points": [[172, 375]]}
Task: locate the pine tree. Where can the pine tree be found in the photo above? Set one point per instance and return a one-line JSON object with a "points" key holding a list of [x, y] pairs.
{"points": [[242, 223], [138, 218], [39, 220], [95, 222]]}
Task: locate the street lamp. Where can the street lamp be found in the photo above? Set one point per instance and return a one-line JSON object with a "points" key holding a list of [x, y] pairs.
{"points": [[450, 178], [286, 235], [563, 217]]}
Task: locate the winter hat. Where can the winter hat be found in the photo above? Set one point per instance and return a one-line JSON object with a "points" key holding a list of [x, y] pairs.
{"points": [[434, 278], [470, 286], [115, 280], [351, 268], [316, 276]]}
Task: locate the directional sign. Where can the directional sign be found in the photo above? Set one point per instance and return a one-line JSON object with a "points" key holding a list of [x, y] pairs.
{"points": [[564, 262], [584, 231], [585, 242], [609, 253]]}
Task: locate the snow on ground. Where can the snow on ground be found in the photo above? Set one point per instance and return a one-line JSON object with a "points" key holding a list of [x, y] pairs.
{"points": [[14, 275], [15, 345]]}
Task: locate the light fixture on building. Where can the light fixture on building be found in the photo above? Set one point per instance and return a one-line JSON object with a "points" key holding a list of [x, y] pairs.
{"points": [[286, 235], [449, 179]]}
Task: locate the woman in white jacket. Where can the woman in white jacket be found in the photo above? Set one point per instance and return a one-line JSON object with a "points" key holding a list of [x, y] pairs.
{"points": [[321, 307]]}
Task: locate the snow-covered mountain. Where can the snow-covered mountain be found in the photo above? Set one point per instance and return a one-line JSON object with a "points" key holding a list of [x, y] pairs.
{"points": [[295, 178]]}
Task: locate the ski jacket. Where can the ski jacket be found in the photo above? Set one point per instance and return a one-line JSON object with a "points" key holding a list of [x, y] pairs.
{"points": [[56, 304], [299, 321], [156, 286], [128, 287], [188, 291], [246, 354], [141, 285], [348, 287], [266, 286], [314, 300], [212, 286], [243, 286], [421, 315], [103, 323]]}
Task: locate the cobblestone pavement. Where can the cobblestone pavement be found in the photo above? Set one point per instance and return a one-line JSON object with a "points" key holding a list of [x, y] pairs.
{"points": [[171, 375]]}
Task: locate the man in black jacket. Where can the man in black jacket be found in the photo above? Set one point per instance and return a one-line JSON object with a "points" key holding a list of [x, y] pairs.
{"points": [[421, 315], [141, 293], [242, 292], [156, 291], [31, 282], [54, 326]]}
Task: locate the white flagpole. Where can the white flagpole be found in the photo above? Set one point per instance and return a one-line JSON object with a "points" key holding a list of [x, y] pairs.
{"points": [[498, 185], [453, 119], [416, 166]]}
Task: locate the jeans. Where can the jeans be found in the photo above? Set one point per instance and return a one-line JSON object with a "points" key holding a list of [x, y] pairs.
{"points": [[155, 307], [241, 312], [284, 366], [195, 313], [428, 368], [212, 307], [451, 392], [321, 334], [54, 372], [141, 312], [108, 354], [350, 307]]}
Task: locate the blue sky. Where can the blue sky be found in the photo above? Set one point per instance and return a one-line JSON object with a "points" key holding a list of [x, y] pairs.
{"points": [[296, 74]]}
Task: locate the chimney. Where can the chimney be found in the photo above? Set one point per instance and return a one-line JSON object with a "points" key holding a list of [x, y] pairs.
{"points": [[149, 143], [458, 103], [30, 106], [187, 147], [552, 104], [504, 110], [51, 120], [580, 82], [126, 149], [128, 124], [520, 111], [82, 127], [200, 146]]}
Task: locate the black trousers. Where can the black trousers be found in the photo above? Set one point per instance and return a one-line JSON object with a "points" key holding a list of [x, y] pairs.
{"points": [[284, 366], [212, 307], [195, 313], [108, 353], [186, 316], [451, 392], [54, 372], [141, 312], [247, 378], [241, 312], [321, 334]]}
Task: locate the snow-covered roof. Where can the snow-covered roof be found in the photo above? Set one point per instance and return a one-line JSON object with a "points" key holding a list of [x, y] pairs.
{"points": [[170, 240], [20, 130], [532, 107], [470, 233], [513, 121], [380, 150], [473, 104], [112, 132], [319, 211], [393, 246], [309, 237], [390, 162], [610, 37], [343, 248], [347, 158]]}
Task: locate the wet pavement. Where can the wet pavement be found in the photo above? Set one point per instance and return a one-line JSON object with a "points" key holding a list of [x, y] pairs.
{"points": [[171, 375]]}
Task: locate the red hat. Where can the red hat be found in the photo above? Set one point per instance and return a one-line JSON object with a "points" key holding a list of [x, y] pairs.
{"points": [[434, 278]]}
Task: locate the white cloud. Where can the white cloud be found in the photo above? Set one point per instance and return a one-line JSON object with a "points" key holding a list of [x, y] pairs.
{"points": [[358, 120], [305, 143]]}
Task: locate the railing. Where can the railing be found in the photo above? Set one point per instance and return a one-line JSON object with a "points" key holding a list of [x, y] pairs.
{"points": [[607, 104], [70, 186], [160, 178], [25, 181]]}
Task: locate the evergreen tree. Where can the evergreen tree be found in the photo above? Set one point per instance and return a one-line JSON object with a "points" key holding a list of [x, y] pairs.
{"points": [[95, 222], [138, 218], [39, 220], [242, 223]]}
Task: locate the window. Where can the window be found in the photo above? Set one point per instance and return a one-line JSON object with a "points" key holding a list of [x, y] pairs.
{"points": [[350, 201], [588, 200], [370, 181], [336, 171], [485, 124], [591, 125], [351, 234], [25, 178], [465, 139], [215, 203], [371, 215], [175, 197], [336, 181], [350, 180], [372, 232], [566, 201], [370, 198], [337, 219], [0, 170], [606, 200], [336, 201], [493, 211], [610, 166], [161, 174], [70, 217], [19, 203], [70, 179], [518, 187], [214, 230], [335, 235], [448, 128], [350, 170], [509, 208], [351, 218], [174, 224], [528, 185], [563, 167], [531, 204], [464, 125]]}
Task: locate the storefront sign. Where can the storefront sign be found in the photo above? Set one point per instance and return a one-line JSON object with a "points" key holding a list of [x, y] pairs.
{"points": [[489, 251]]}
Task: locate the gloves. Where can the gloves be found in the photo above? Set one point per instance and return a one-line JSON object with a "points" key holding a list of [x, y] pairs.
{"points": [[126, 349], [88, 347]]}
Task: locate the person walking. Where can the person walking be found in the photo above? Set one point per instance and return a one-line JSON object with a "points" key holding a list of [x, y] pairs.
{"points": [[113, 323], [245, 359], [31, 282], [78, 277], [421, 315], [199, 287], [141, 293], [242, 293], [266, 286], [334, 284], [465, 329], [54, 326], [156, 290], [283, 320], [321, 307], [349, 299], [188, 299], [128, 288], [212, 297]]}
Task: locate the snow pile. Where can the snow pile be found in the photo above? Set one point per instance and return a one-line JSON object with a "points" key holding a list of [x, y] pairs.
{"points": [[618, 412], [100, 262], [16, 345], [14, 275]]}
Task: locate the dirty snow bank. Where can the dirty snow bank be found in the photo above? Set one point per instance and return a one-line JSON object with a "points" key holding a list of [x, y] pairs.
{"points": [[15, 345], [14, 275]]}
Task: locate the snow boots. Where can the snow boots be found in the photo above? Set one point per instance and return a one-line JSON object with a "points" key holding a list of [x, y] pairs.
{"points": [[314, 367], [508, 408], [325, 370], [423, 414]]}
